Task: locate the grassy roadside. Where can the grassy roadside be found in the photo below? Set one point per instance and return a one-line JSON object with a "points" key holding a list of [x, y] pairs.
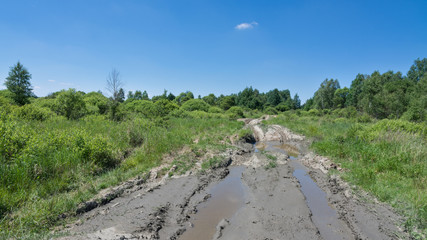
{"points": [[52, 166], [387, 158]]}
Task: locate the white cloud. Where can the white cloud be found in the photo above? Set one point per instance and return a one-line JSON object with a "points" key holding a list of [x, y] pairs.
{"points": [[66, 84], [37, 87], [244, 26], [51, 80]]}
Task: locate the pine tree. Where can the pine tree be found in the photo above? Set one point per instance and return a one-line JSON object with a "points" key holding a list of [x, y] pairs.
{"points": [[18, 83]]}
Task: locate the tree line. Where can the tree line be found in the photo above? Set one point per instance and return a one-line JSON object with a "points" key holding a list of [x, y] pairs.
{"points": [[387, 95]]}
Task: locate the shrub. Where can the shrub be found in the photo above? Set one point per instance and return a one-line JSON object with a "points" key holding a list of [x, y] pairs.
{"points": [[13, 139], [179, 113], [215, 110], [147, 108], [282, 107], [270, 111], [235, 112], [415, 114], [70, 104], [364, 118], [195, 104], [164, 107], [314, 112], [96, 103], [33, 112]]}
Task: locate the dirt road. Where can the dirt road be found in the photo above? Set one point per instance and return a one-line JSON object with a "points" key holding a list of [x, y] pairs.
{"points": [[274, 190]]}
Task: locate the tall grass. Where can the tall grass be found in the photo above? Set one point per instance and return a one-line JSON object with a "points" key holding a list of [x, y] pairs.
{"points": [[48, 167], [387, 158]]}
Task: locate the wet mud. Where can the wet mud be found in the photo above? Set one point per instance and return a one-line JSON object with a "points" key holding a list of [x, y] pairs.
{"points": [[245, 198]]}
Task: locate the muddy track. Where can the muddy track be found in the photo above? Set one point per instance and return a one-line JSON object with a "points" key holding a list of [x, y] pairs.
{"points": [[276, 190]]}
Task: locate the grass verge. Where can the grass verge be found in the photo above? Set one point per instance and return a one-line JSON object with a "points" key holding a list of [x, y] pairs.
{"points": [[387, 158]]}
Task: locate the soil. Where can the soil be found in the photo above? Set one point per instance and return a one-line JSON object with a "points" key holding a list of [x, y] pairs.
{"points": [[276, 189]]}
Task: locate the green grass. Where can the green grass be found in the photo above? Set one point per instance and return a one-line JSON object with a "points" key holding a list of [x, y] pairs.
{"points": [[49, 167], [387, 158]]}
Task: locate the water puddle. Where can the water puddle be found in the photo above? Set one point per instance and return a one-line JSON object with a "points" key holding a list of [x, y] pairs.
{"points": [[324, 216], [227, 197]]}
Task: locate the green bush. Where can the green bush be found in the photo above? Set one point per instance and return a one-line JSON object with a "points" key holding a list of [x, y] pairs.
{"points": [[70, 104], [364, 118], [33, 112], [215, 110], [96, 103], [314, 112], [270, 111], [147, 108], [13, 139], [195, 105], [235, 112], [165, 106]]}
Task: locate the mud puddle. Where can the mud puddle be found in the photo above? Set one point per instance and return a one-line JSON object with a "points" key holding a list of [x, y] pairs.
{"points": [[324, 216], [226, 198]]}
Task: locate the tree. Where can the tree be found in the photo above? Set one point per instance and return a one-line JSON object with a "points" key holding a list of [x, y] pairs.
{"points": [[18, 83], [355, 90], [297, 102], [114, 84], [121, 95], [273, 97], [323, 98], [340, 97], [210, 99], [417, 70]]}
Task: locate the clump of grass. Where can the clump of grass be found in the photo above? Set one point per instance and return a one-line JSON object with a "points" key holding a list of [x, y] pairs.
{"points": [[211, 163]]}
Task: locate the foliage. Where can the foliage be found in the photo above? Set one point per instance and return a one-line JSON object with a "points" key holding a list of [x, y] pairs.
{"points": [[33, 112], [164, 107], [235, 112], [195, 104], [323, 97], [18, 83], [183, 97], [96, 103], [70, 104], [215, 110]]}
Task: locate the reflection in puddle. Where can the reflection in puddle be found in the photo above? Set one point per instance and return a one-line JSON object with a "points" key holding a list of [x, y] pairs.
{"points": [[227, 197], [324, 217], [290, 149]]}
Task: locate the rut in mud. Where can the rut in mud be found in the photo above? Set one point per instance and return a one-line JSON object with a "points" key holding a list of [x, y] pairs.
{"points": [[275, 189]]}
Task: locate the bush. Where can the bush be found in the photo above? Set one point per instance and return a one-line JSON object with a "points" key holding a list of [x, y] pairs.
{"points": [[364, 118], [179, 113], [195, 105], [314, 112], [164, 107], [415, 114], [282, 107], [215, 110], [235, 112], [33, 112], [70, 104], [270, 111], [147, 108], [13, 139], [96, 103]]}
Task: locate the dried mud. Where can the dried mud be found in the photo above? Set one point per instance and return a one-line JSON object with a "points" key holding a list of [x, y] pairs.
{"points": [[273, 197]]}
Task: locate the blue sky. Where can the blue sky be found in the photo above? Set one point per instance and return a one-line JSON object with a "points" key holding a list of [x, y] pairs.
{"points": [[196, 45]]}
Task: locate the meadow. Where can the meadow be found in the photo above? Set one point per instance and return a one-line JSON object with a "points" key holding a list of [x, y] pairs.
{"points": [[49, 165]]}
